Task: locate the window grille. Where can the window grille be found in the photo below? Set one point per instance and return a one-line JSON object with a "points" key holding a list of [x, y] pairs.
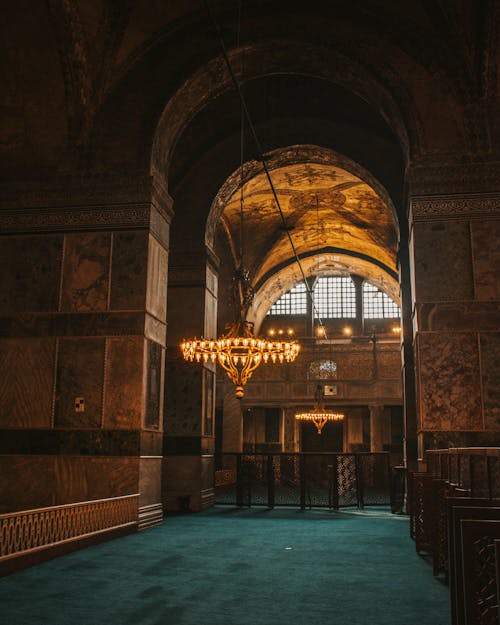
{"points": [[293, 302], [335, 298], [377, 304]]}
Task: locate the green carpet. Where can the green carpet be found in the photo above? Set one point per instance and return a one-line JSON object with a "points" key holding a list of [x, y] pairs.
{"points": [[230, 567]]}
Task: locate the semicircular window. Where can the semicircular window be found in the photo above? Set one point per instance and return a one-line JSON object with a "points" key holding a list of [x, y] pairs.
{"points": [[377, 304], [293, 302]]}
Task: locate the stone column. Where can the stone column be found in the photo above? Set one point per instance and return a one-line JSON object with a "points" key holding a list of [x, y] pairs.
{"points": [[83, 329], [454, 243], [291, 431], [189, 398], [376, 428]]}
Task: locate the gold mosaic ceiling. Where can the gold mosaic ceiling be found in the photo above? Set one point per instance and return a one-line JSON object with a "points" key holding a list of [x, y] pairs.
{"points": [[324, 206]]}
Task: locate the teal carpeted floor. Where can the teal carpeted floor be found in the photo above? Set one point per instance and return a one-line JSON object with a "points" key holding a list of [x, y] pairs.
{"points": [[230, 567]]}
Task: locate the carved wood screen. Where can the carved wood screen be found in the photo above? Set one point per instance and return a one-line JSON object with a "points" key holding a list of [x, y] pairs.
{"points": [[306, 480]]}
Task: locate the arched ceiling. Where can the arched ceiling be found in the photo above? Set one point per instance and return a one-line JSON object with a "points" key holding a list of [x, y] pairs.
{"points": [[95, 85], [332, 209], [323, 206]]}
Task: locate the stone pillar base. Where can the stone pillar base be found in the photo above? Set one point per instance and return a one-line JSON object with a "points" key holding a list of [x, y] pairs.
{"points": [[188, 483]]}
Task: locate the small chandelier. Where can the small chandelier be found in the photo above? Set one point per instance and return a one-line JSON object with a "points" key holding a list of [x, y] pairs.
{"points": [[319, 416], [238, 351]]}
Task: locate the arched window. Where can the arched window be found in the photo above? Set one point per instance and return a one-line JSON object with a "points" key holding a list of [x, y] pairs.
{"points": [[335, 298], [293, 302], [377, 304]]}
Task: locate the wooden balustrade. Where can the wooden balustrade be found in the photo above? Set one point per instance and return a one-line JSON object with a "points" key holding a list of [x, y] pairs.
{"points": [[455, 515], [29, 531]]}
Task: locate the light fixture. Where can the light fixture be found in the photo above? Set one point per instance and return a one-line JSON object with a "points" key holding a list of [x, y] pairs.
{"points": [[347, 330], [319, 416], [239, 352]]}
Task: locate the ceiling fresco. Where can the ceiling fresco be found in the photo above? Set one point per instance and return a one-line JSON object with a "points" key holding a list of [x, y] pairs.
{"points": [[324, 206]]}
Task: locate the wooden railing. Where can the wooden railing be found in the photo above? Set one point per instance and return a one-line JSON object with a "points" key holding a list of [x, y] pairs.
{"points": [[455, 516], [28, 531]]}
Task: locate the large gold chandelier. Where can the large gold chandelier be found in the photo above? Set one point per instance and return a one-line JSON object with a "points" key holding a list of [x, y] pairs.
{"points": [[238, 351], [319, 416]]}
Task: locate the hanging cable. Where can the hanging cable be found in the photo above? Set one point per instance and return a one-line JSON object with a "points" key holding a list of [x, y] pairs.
{"points": [[260, 151]]}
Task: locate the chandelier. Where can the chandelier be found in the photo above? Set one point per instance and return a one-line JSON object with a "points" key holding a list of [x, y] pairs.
{"points": [[319, 416], [238, 351]]}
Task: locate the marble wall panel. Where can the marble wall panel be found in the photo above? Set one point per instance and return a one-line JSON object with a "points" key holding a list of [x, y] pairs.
{"points": [[26, 482], [80, 373], [156, 296], [490, 373], [446, 440], [459, 316], [150, 481], [80, 478], [86, 272], [449, 382], [182, 477], [73, 324], [30, 268], [27, 370], [183, 398], [389, 364], [181, 325], [442, 261], [129, 270], [486, 251], [40, 481], [354, 366], [154, 386], [155, 330], [124, 387], [72, 442]]}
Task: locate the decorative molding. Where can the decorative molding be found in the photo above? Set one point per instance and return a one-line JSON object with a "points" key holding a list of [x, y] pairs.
{"points": [[424, 208], [73, 442], [33, 530], [150, 515], [27, 325], [442, 177], [75, 218], [84, 188]]}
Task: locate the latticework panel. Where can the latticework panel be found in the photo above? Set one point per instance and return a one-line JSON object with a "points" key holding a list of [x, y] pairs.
{"points": [[440, 547], [421, 499], [287, 480], [484, 582], [35, 529], [347, 480], [254, 470], [318, 480]]}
